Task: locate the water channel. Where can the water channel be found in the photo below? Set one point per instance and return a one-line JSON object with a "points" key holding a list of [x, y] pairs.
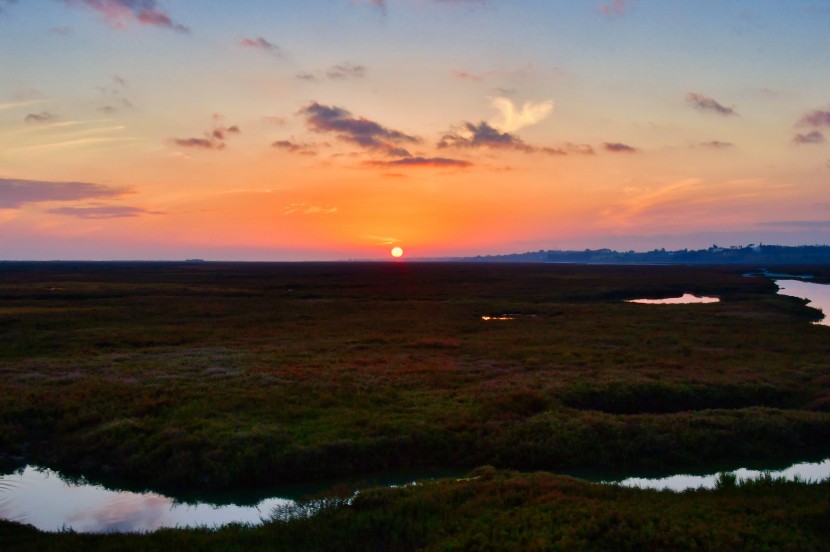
{"points": [[50, 502]]}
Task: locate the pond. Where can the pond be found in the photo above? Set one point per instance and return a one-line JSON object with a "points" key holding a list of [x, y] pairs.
{"points": [[817, 294], [44, 499], [685, 299]]}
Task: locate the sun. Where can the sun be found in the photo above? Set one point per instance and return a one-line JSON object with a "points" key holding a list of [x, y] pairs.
{"points": [[397, 252]]}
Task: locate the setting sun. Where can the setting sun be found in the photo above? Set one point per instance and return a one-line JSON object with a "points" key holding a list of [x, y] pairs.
{"points": [[397, 252]]}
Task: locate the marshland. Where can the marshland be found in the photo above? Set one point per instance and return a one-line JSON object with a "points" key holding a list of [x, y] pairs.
{"points": [[189, 378]]}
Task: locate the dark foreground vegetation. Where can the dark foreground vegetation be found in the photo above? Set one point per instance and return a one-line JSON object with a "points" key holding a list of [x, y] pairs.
{"points": [[179, 376], [510, 511]]}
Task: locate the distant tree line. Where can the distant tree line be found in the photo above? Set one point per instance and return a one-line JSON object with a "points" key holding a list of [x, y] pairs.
{"points": [[750, 254]]}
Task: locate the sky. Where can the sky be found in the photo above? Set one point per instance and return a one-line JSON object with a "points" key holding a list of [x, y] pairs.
{"points": [[338, 129]]}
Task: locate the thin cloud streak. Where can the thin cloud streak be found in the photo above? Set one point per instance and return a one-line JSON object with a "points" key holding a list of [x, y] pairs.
{"points": [[15, 193], [710, 105], [119, 13]]}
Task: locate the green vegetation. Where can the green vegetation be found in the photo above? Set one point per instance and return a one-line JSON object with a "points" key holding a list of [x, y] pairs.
{"points": [[181, 376], [495, 510]]}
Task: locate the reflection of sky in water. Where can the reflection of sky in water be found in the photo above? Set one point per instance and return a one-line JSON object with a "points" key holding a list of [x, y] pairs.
{"points": [[818, 294], [687, 298], [808, 471], [40, 498]]}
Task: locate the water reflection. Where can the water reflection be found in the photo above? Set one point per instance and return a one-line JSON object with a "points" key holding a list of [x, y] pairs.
{"points": [[41, 498], [817, 294], [686, 298], [812, 472]]}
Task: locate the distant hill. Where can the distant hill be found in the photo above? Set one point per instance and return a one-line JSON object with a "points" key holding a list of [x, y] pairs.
{"points": [[738, 255]]}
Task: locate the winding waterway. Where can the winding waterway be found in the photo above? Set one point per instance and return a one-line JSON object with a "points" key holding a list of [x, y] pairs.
{"points": [[42, 498], [817, 294]]}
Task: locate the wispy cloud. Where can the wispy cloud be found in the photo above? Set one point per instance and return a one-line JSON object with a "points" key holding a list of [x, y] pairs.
{"points": [[707, 104], [813, 137], [613, 8], [306, 209], [512, 119], [797, 223], [15, 193], [425, 162], [338, 72], [103, 211], [356, 130], [260, 43], [4, 4], [816, 118], [296, 147], [619, 147], [715, 144], [211, 140], [119, 13], [42, 117], [17, 105]]}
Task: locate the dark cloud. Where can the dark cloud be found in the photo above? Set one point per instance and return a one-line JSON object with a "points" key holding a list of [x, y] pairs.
{"points": [[483, 135], [120, 12], [4, 4], [279, 121], [42, 117], [716, 144], [618, 147], [103, 212], [260, 43], [306, 76], [360, 131], [439, 162], [61, 31], [814, 137], [15, 193], [213, 139], [705, 103], [816, 118]]}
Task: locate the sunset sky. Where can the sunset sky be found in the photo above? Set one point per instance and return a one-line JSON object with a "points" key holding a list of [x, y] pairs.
{"points": [[338, 129]]}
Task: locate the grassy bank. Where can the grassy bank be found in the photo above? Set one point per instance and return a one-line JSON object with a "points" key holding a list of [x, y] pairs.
{"points": [[181, 376], [494, 510]]}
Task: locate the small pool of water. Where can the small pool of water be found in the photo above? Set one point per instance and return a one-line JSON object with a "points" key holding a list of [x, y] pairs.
{"points": [[817, 294], [685, 299], [42, 498]]}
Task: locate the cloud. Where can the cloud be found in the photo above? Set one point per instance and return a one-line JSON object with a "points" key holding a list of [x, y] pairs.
{"points": [[260, 43], [119, 13], [435, 162], [15, 193], [797, 223], [618, 147], [360, 131], [339, 72], [513, 119], [816, 118], [279, 121], [814, 137], [42, 117], [581, 149], [306, 209], [483, 135], [345, 70], [4, 4], [103, 212], [614, 8], [716, 144], [294, 147], [705, 103], [61, 31], [213, 139]]}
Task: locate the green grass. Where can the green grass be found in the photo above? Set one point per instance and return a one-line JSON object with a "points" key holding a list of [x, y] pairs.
{"points": [[180, 377]]}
